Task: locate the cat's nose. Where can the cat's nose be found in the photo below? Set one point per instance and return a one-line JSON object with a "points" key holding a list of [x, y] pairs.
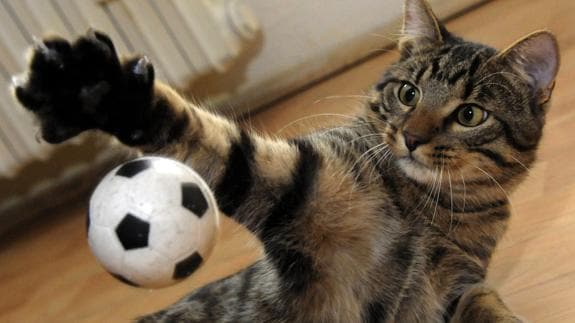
{"points": [[412, 141]]}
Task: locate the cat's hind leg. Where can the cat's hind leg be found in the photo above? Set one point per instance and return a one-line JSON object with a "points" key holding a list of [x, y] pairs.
{"points": [[483, 305], [247, 296]]}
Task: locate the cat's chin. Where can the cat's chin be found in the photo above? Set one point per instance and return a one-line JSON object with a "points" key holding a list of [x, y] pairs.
{"points": [[416, 170]]}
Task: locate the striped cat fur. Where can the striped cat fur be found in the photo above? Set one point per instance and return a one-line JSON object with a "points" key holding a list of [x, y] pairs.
{"points": [[391, 218]]}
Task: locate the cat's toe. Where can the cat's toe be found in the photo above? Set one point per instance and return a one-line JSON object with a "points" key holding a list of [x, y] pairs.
{"points": [[49, 55], [143, 69], [54, 132], [46, 75], [96, 56], [103, 40]]}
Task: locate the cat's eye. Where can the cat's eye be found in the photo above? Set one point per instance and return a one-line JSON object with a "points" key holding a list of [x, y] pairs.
{"points": [[471, 115], [408, 94]]}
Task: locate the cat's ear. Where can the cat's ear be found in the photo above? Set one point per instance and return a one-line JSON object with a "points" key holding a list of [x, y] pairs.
{"points": [[420, 27], [536, 58]]}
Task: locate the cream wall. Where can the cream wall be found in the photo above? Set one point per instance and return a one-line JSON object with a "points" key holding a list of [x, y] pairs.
{"points": [[303, 40]]}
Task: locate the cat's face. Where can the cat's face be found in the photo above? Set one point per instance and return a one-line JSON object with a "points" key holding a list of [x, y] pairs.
{"points": [[447, 109], [454, 109]]}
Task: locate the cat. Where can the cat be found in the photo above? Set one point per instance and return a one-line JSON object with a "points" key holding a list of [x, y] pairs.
{"points": [[391, 218]]}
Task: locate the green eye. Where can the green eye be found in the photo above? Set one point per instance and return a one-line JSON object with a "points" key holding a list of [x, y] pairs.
{"points": [[471, 115], [408, 94]]}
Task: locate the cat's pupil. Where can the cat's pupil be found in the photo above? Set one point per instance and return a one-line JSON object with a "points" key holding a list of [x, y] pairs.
{"points": [[410, 95], [468, 114]]}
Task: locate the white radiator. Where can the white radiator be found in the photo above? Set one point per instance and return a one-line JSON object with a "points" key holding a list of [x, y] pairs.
{"points": [[183, 38]]}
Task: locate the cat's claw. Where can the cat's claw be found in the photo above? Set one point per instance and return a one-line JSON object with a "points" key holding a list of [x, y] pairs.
{"points": [[141, 67], [49, 55], [18, 80], [142, 70]]}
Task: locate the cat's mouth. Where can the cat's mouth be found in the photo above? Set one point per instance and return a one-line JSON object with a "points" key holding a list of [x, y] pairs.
{"points": [[415, 168], [413, 160]]}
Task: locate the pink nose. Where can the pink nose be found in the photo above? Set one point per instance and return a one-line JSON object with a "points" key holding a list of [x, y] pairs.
{"points": [[412, 141]]}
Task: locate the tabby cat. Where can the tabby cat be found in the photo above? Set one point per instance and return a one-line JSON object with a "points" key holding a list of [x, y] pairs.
{"points": [[392, 218]]}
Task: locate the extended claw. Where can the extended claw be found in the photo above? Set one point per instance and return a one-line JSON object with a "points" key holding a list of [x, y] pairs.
{"points": [[48, 54], [19, 80], [141, 67], [143, 70], [39, 45]]}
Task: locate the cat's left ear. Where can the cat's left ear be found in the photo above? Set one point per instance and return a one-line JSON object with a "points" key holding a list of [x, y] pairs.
{"points": [[421, 27], [536, 58]]}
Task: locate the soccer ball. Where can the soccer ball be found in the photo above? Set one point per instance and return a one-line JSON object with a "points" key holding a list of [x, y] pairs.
{"points": [[152, 222]]}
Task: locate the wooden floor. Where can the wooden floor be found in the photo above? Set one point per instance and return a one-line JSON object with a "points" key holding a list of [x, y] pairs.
{"points": [[47, 273]]}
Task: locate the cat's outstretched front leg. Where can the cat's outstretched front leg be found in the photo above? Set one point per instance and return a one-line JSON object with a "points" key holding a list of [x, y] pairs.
{"points": [[76, 86], [269, 186]]}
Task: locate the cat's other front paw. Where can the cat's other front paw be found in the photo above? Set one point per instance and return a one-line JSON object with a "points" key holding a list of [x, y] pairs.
{"points": [[75, 86]]}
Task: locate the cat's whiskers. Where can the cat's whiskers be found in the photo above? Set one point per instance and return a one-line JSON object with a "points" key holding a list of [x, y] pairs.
{"points": [[430, 196], [493, 179], [350, 96], [315, 116], [365, 136], [390, 154], [376, 121], [463, 203], [381, 155], [430, 187], [359, 160], [391, 38], [402, 35], [380, 160], [438, 193], [464, 191], [389, 49], [496, 182], [378, 151], [342, 127], [374, 167], [369, 151], [450, 200], [520, 163]]}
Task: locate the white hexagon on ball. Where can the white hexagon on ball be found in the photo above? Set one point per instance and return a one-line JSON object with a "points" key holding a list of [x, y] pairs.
{"points": [[152, 221]]}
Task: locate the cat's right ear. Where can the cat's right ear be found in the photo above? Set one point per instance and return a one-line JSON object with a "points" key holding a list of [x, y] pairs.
{"points": [[536, 58], [420, 27]]}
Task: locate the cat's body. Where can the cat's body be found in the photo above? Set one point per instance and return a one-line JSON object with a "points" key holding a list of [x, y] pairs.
{"points": [[393, 217]]}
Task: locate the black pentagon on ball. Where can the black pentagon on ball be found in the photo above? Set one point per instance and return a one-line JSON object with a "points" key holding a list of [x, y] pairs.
{"points": [[187, 266], [133, 232], [132, 168], [124, 280], [88, 221], [193, 199]]}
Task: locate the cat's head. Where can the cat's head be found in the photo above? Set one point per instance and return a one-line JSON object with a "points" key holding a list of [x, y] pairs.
{"points": [[464, 107]]}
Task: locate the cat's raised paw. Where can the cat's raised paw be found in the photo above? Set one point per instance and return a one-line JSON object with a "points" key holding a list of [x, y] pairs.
{"points": [[81, 85]]}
